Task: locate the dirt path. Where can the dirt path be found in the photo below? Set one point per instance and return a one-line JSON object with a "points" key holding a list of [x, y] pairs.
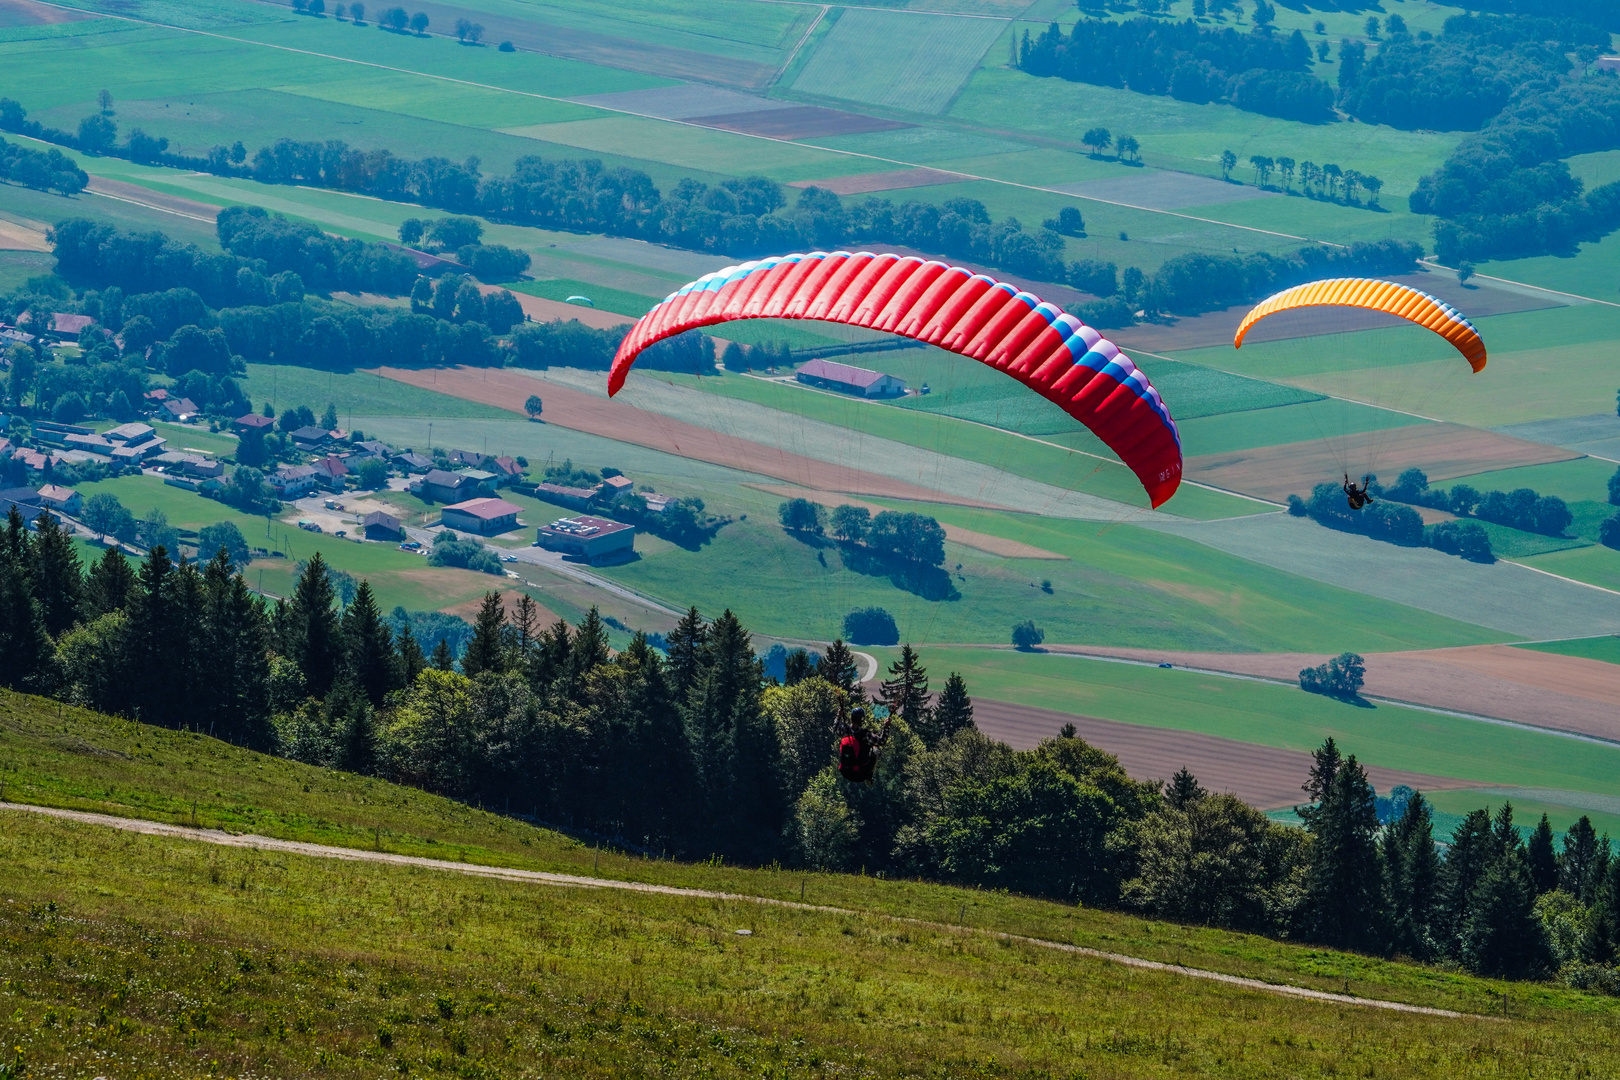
{"points": [[1262, 776], [541, 877], [575, 409]]}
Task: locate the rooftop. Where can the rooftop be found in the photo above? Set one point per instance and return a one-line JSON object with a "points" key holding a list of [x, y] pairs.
{"points": [[841, 373], [487, 509], [585, 526]]}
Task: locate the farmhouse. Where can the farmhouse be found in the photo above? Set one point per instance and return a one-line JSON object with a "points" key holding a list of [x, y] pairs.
{"points": [[178, 408], [486, 517], [381, 526], [590, 538], [451, 487], [56, 497], [331, 471], [850, 380], [291, 481], [572, 497], [252, 422]]}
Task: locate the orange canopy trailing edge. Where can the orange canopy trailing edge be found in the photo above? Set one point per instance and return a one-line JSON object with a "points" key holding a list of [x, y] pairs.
{"points": [[1388, 296]]}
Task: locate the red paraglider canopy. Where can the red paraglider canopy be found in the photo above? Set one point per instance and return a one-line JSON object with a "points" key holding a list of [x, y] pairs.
{"points": [[1040, 345]]}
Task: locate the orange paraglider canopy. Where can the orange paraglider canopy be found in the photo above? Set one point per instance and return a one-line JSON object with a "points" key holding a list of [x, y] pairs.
{"points": [[1392, 297]]}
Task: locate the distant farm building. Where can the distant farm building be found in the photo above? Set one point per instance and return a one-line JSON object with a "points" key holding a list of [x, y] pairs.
{"points": [[590, 538], [486, 517], [381, 526], [847, 379], [575, 498]]}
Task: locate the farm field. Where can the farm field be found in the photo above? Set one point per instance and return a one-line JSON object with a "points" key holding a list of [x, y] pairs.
{"points": [[1606, 649], [910, 62], [1281, 716]]}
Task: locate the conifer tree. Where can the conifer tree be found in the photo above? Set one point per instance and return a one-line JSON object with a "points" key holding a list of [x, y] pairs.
{"points": [[487, 649], [312, 639], [442, 659], [109, 585], [548, 661], [1412, 868], [369, 646], [234, 695], [525, 630], [1472, 850], [1578, 868], [839, 668], [411, 661], [658, 769], [953, 710], [1505, 832], [1345, 886], [589, 648], [1183, 789], [153, 636], [25, 646], [1325, 763], [1602, 942], [734, 743], [354, 732], [1542, 857], [797, 667], [685, 648], [1501, 934], [906, 694], [57, 578]]}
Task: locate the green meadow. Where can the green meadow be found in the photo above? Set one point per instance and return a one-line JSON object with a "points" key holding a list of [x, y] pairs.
{"points": [[1606, 649], [1284, 716], [423, 933]]}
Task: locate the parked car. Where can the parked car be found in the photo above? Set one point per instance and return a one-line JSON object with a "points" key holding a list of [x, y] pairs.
{"points": [[310, 526], [410, 545], [508, 558]]}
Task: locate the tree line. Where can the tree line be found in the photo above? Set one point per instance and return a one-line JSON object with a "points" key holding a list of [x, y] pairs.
{"points": [[1260, 72], [692, 751]]}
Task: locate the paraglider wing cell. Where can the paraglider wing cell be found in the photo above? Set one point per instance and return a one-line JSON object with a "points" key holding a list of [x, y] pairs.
{"points": [[1396, 299], [1040, 345]]}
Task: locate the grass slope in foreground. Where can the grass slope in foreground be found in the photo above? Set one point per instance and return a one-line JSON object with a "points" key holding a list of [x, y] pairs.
{"points": [[169, 955]]}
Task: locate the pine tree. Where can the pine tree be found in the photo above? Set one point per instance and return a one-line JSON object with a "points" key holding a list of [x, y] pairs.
{"points": [[1602, 942], [525, 630], [953, 709], [25, 646], [685, 648], [487, 649], [549, 661], [658, 769], [839, 668], [354, 732], [1501, 934], [589, 649], [442, 659], [906, 694], [411, 661], [1473, 848], [235, 638], [312, 638], [109, 585], [150, 636], [1325, 764], [1183, 789], [57, 578], [1505, 832], [1345, 886], [734, 743], [1543, 859], [369, 647], [797, 667], [1577, 868], [1412, 867]]}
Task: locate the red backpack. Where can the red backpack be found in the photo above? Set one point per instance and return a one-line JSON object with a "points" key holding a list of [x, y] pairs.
{"points": [[855, 759]]}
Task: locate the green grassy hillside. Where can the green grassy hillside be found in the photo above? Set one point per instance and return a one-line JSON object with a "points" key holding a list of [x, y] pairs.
{"points": [[129, 954]]}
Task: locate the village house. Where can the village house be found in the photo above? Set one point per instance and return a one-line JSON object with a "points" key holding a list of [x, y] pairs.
{"points": [[253, 422], [574, 498], [56, 497], [847, 379], [331, 472], [310, 439], [486, 517], [382, 526], [592, 539], [293, 481]]}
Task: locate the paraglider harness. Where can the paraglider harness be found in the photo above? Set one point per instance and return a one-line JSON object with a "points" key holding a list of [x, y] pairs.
{"points": [[1357, 496], [858, 746]]}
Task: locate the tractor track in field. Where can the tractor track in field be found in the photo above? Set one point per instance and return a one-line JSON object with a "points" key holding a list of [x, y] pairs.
{"points": [[541, 877]]}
